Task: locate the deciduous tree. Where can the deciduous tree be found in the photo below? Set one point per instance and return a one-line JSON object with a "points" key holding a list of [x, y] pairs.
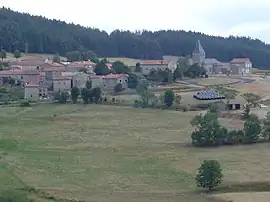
{"points": [[209, 174], [3, 54], [75, 92]]}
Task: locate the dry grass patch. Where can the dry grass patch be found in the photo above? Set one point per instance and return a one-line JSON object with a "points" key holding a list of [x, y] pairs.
{"points": [[244, 197], [108, 153]]}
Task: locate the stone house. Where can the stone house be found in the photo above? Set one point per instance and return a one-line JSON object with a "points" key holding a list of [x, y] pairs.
{"points": [[108, 82], [78, 79], [31, 92], [77, 65], [148, 65], [28, 77], [241, 66], [60, 84]]}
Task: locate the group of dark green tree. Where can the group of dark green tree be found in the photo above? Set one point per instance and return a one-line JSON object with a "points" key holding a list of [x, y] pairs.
{"points": [[38, 34], [88, 95], [209, 132]]}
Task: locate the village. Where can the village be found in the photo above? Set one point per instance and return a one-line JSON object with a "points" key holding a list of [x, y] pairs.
{"points": [[41, 77]]}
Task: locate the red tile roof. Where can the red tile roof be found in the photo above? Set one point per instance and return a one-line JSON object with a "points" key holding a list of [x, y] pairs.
{"points": [[52, 67], [109, 76], [240, 60], [81, 64], [17, 72], [154, 62]]}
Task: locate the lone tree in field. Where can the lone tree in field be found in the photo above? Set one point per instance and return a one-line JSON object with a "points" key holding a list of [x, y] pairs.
{"points": [[3, 54], [75, 92], [209, 174], [169, 98], [17, 54]]}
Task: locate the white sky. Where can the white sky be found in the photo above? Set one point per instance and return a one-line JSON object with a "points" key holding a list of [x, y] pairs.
{"points": [[215, 17]]}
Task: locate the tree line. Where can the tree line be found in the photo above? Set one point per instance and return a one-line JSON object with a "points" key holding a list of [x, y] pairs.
{"points": [[38, 34]]}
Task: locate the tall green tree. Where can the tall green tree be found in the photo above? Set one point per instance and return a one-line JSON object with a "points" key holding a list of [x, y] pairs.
{"points": [[207, 130], [252, 129], [209, 174], [3, 54], [120, 68], [169, 97], [17, 54], [266, 126], [138, 68], [75, 92], [56, 58], [101, 68]]}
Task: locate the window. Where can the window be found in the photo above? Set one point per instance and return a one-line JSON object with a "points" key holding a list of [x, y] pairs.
{"points": [[31, 95], [126, 80], [120, 81], [21, 77], [64, 83]]}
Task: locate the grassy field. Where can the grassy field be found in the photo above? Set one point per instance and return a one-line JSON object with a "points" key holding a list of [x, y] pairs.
{"points": [[108, 153], [213, 81]]}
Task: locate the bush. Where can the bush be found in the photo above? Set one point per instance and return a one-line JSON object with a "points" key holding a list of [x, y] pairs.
{"points": [[209, 174], [208, 131], [252, 129], [137, 103], [185, 108], [25, 104], [235, 137]]}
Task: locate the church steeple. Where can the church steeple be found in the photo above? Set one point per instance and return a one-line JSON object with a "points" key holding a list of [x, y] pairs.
{"points": [[199, 48], [198, 54]]}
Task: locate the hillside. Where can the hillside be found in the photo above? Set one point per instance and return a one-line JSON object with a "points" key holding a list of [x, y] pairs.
{"points": [[50, 36]]}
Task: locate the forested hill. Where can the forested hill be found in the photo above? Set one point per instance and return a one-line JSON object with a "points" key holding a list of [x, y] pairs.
{"points": [[50, 36]]}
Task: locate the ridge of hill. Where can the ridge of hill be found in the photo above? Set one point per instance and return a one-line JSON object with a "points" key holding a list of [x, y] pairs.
{"points": [[44, 35]]}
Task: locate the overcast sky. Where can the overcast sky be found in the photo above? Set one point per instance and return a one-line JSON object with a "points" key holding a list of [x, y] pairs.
{"points": [[215, 17]]}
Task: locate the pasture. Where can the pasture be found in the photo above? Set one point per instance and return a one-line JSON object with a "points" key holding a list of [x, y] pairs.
{"points": [[109, 153]]}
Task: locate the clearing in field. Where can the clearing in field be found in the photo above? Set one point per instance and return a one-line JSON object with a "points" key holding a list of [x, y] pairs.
{"points": [[108, 153]]}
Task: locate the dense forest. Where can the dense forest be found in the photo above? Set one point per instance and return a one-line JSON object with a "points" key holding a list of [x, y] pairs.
{"points": [[41, 35]]}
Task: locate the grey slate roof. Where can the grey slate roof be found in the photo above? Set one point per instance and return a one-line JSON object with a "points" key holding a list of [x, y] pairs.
{"points": [[211, 61]]}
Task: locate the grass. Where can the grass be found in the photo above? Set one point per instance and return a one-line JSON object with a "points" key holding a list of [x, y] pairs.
{"points": [[214, 81], [108, 153]]}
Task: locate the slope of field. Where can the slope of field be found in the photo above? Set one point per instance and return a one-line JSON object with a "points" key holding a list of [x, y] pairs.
{"points": [[107, 153]]}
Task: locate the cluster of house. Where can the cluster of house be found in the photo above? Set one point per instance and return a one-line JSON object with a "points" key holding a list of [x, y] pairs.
{"points": [[42, 77], [237, 66]]}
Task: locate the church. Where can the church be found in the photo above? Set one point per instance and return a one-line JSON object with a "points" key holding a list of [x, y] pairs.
{"points": [[213, 66]]}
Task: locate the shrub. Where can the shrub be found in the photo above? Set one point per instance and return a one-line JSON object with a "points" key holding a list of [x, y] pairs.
{"points": [[209, 174], [252, 129], [137, 103], [235, 137], [25, 104]]}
